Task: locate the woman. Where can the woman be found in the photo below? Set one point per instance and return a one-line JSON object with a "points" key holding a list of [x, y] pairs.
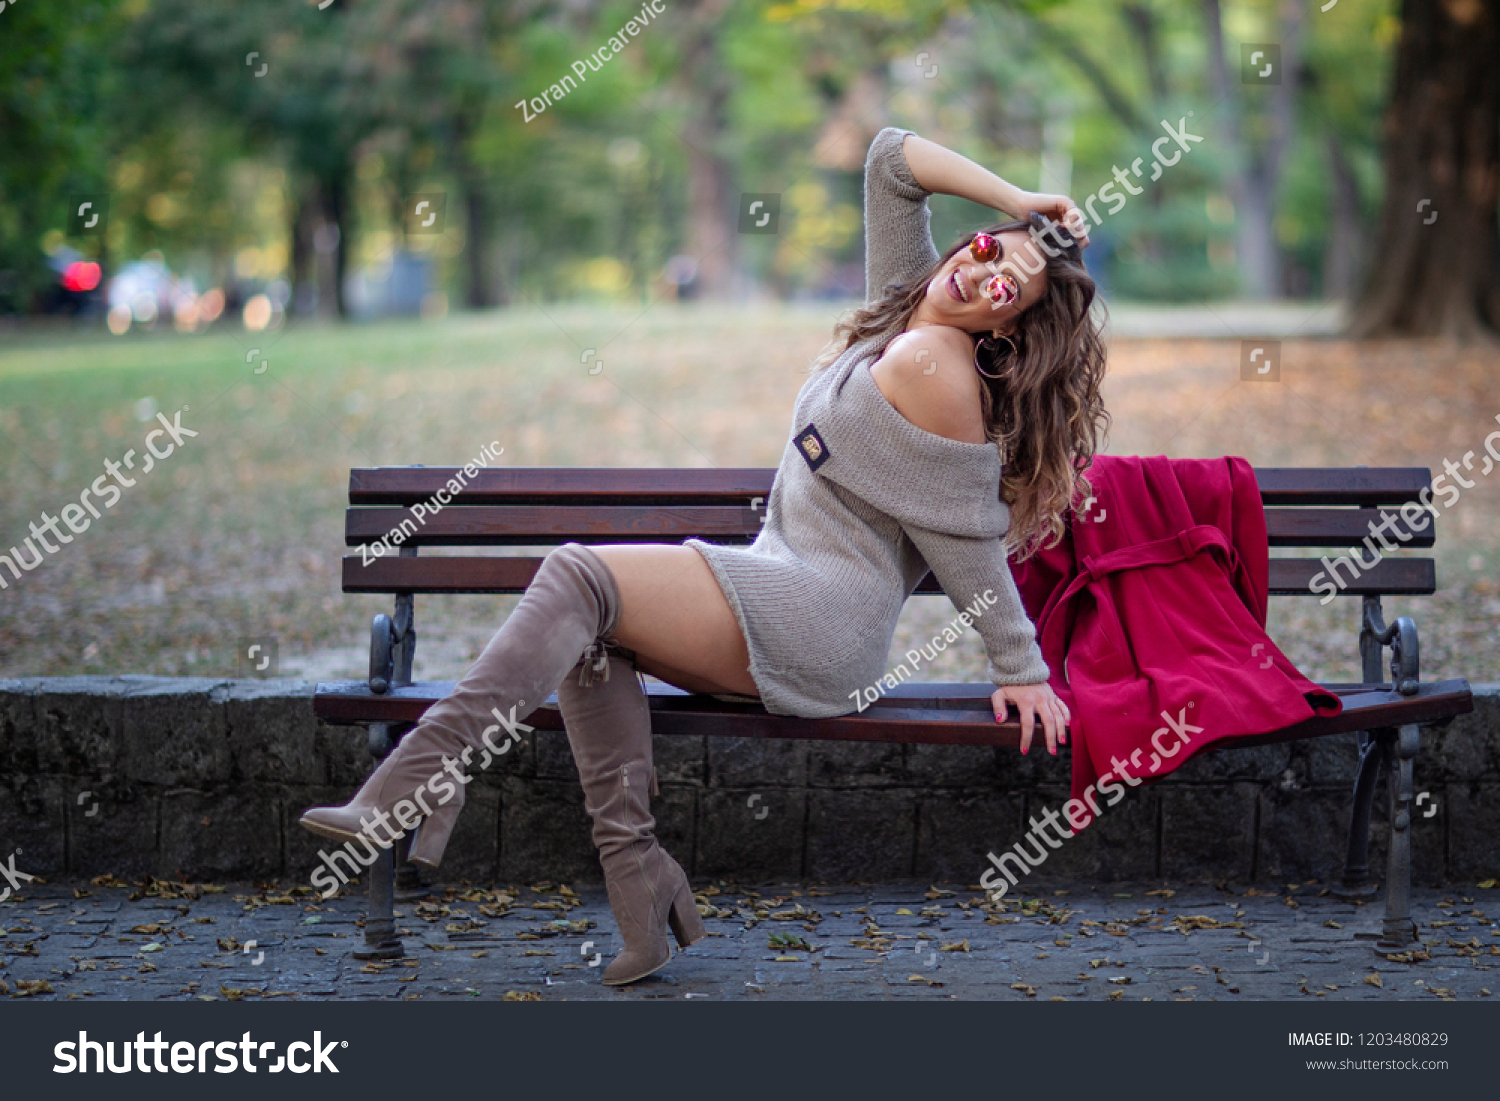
{"points": [[894, 467]]}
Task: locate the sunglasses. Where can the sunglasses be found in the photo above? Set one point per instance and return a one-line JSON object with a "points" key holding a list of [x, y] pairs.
{"points": [[1003, 289]]}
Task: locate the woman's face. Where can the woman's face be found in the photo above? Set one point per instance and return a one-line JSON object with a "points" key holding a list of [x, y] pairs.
{"points": [[982, 298]]}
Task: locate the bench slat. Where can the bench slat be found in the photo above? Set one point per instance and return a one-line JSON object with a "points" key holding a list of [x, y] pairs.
{"points": [[537, 485], [929, 714], [1288, 576], [410, 485], [530, 525], [1337, 527], [1364, 486]]}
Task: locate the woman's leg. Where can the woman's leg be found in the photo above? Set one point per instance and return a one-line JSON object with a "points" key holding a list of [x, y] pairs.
{"points": [[662, 601], [571, 602], [609, 728], [676, 618]]}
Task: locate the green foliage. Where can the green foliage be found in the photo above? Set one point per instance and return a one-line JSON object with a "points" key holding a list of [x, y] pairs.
{"points": [[53, 127], [365, 103]]}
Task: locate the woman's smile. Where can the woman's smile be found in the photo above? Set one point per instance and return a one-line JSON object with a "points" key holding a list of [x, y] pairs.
{"points": [[958, 288]]}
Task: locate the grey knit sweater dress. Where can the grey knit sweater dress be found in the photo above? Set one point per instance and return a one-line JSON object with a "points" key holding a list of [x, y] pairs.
{"points": [[864, 503]]}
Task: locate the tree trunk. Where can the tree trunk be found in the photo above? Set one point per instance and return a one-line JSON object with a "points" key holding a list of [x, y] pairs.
{"points": [[1341, 261], [1143, 24], [1255, 176], [480, 291], [341, 215], [713, 227], [305, 220], [464, 123], [1435, 272]]}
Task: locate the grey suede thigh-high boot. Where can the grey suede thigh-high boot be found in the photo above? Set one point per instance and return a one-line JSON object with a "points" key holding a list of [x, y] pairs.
{"points": [[572, 601], [608, 721]]}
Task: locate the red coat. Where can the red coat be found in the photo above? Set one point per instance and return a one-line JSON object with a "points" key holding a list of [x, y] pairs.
{"points": [[1151, 612]]}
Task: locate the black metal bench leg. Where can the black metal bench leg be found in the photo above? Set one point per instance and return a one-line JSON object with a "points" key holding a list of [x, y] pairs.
{"points": [[1356, 882], [1399, 932], [381, 942], [408, 879]]}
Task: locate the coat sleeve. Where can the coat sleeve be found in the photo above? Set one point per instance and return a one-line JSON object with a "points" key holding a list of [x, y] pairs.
{"points": [[976, 576], [898, 241]]}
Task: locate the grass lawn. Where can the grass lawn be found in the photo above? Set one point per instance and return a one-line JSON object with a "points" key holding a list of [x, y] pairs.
{"points": [[239, 534]]}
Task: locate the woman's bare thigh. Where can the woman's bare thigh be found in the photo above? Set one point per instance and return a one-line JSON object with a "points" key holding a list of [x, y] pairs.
{"points": [[675, 617]]}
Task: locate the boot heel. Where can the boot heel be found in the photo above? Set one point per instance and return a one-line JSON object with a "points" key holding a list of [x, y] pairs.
{"points": [[686, 922], [431, 837]]}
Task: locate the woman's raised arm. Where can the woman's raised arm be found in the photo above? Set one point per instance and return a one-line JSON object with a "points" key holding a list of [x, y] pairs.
{"points": [[944, 172]]}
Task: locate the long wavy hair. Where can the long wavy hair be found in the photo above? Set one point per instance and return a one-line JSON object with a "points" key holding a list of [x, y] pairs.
{"points": [[1044, 411]]}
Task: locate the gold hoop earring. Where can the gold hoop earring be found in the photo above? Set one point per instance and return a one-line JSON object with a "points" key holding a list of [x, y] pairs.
{"points": [[991, 346]]}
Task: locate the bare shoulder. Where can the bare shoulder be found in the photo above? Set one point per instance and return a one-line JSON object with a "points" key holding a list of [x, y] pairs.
{"points": [[928, 376]]}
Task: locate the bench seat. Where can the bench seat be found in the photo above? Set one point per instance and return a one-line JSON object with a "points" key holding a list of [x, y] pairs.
{"points": [[929, 714]]}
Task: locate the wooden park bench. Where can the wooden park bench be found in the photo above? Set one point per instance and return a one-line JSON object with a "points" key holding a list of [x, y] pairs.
{"points": [[521, 507]]}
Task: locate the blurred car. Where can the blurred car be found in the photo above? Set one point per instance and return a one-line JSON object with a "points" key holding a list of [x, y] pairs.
{"points": [[145, 292], [75, 289]]}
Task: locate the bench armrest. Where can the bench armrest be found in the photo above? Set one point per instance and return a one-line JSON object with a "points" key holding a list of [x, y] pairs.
{"points": [[1401, 637]]}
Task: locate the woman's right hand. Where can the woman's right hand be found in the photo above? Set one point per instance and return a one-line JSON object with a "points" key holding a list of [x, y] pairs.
{"points": [[1059, 208], [1034, 701]]}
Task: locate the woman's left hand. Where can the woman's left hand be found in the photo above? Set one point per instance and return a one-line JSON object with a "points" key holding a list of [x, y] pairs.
{"points": [[1059, 208], [1034, 701]]}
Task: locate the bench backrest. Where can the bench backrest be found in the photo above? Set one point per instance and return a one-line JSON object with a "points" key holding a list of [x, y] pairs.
{"points": [[545, 506]]}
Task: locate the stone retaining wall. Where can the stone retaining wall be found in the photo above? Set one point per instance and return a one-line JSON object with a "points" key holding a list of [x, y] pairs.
{"points": [[202, 779]]}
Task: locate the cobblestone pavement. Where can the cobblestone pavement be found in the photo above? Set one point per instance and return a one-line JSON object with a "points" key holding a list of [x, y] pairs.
{"points": [[163, 941]]}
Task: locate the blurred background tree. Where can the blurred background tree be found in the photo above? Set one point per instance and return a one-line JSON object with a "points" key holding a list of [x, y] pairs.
{"points": [[282, 143], [1442, 137], [55, 101]]}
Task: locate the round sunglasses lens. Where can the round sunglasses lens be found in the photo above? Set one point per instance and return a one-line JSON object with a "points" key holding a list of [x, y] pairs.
{"points": [[984, 248], [1001, 290]]}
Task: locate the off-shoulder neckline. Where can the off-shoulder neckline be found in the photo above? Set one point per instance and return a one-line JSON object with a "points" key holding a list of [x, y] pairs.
{"points": [[861, 368]]}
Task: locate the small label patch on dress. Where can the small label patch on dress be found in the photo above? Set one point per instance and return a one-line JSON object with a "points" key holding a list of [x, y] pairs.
{"points": [[812, 447]]}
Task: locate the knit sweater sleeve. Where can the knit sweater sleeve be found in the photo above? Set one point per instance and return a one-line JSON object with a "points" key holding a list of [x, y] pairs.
{"points": [[898, 240], [976, 576]]}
